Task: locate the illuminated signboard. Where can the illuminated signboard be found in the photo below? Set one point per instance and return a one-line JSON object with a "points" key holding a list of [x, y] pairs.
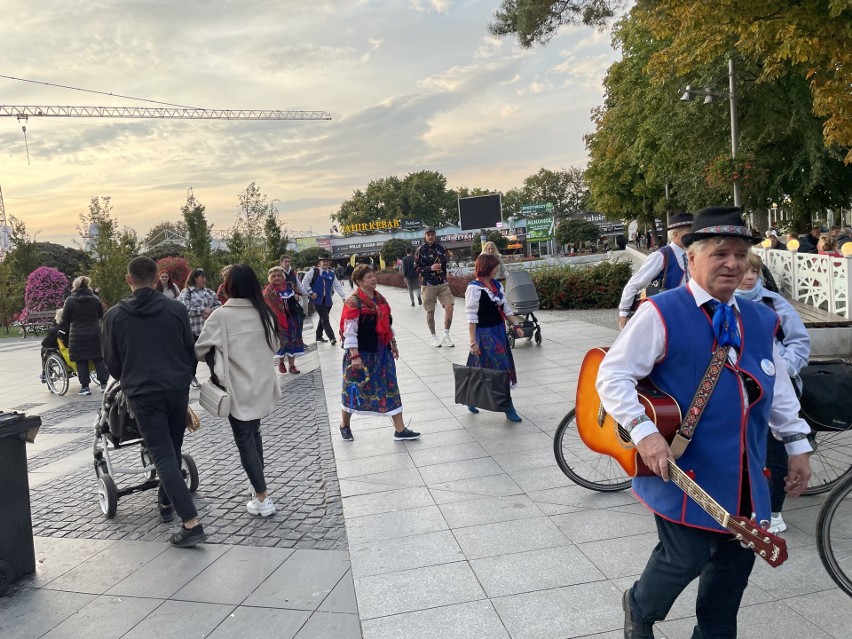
{"points": [[376, 225]]}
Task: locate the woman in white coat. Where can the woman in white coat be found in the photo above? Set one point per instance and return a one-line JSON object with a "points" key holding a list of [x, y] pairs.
{"points": [[251, 331]]}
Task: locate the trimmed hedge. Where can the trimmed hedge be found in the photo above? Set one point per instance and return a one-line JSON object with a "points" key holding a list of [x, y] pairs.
{"points": [[576, 287], [558, 287]]}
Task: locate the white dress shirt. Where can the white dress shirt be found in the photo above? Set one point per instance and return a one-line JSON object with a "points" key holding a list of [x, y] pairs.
{"points": [[642, 344], [652, 265]]}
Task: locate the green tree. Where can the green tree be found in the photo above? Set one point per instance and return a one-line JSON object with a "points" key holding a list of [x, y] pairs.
{"points": [[248, 243], [566, 189], [198, 237], [71, 261], [308, 257], [276, 236], [777, 38], [110, 248], [492, 236], [11, 295], [394, 249], [24, 257], [576, 230]]}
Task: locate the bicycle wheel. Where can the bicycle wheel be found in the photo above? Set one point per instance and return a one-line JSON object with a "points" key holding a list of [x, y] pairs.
{"points": [[831, 460], [582, 465], [834, 535]]}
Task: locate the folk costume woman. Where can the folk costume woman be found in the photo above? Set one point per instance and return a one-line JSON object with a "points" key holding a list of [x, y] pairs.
{"points": [[278, 294], [487, 310], [369, 371]]}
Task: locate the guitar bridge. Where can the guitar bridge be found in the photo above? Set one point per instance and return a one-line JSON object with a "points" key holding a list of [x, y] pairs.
{"points": [[601, 414]]}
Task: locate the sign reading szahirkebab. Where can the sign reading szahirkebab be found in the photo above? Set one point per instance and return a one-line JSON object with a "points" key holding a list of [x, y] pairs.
{"points": [[375, 225]]}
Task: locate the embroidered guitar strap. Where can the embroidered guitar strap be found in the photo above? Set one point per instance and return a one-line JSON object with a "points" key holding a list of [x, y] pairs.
{"points": [[696, 408]]}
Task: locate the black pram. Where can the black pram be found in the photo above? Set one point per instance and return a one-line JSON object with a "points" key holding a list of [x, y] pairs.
{"points": [[523, 298], [115, 428]]}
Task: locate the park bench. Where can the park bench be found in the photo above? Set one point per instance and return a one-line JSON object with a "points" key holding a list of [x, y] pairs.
{"points": [[813, 317], [37, 321]]}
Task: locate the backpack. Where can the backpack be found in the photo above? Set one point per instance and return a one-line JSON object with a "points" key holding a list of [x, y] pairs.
{"points": [[826, 388]]}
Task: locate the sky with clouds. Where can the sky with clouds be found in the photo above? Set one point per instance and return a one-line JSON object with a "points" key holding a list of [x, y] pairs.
{"points": [[410, 84]]}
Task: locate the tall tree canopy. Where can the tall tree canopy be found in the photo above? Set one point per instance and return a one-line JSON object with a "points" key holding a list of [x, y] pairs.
{"points": [[807, 39], [646, 138]]}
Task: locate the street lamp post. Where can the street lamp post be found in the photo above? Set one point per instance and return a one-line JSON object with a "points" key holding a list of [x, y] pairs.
{"points": [[731, 94]]}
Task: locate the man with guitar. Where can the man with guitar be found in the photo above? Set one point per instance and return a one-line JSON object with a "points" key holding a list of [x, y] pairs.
{"points": [[714, 355], [663, 270]]}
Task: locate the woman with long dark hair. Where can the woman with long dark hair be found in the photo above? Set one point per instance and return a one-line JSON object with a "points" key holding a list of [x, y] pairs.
{"points": [[487, 312], [166, 286], [280, 296], [248, 330]]}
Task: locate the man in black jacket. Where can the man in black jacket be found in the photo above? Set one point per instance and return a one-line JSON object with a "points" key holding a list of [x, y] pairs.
{"points": [[431, 264], [409, 272], [148, 346]]}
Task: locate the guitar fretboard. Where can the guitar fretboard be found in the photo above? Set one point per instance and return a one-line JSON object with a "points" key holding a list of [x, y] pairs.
{"points": [[688, 485]]}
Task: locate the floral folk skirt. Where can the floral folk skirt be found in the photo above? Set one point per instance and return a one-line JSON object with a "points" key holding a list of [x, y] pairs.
{"points": [[374, 390], [291, 339], [494, 351]]}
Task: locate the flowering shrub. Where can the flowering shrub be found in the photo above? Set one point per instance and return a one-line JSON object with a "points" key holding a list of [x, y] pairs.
{"points": [[45, 291], [724, 170], [177, 267]]}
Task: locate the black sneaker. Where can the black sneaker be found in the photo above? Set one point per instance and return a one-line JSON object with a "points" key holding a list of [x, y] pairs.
{"points": [[405, 434], [167, 513], [346, 433], [333, 341], [84, 391], [185, 538], [322, 339]]}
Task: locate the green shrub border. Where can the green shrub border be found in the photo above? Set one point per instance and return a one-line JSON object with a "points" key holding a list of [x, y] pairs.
{"points": [[564, 287]]}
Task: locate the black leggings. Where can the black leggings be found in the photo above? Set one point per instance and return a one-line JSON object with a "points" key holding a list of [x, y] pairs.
{"points": [[250, 444]]}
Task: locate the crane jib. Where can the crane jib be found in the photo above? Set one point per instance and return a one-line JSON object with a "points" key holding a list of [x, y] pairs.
{"points": [[27, 111]]}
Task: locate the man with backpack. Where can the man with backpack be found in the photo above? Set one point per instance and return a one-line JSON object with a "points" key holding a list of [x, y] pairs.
{"points": [[409, 272], [323, 283]]}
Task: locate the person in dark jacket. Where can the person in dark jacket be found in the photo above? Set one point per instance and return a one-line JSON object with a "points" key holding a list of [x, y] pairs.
{"points": [[149, 347], [82, 315]]}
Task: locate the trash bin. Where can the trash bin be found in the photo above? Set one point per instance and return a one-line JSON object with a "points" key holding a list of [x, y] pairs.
{"points": [[17, 553]]}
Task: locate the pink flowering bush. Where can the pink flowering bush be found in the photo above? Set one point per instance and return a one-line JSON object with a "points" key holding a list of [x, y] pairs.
{"points": [[45, 291]]}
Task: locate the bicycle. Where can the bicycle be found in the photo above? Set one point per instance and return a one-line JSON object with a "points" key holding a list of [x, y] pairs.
{"points": [[831, 461], [584, 466], [834, 534]]}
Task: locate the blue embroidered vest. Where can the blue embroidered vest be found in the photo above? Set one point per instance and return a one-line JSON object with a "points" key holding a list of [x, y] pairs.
{"points": [[322, 286], [672, 274], [730, 429]]}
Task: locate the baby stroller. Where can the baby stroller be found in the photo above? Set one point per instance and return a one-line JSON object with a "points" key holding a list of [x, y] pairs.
{"points": [[522, 297], [115, 428]]}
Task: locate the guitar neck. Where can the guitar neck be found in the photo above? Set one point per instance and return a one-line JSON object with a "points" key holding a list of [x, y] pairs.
{"points": [[698, 494]]}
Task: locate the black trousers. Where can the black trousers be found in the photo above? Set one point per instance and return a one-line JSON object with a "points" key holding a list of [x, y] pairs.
{"points": [[776, 462], [250, 444], [162, 421], [323, 323], [682, 554], [84, 375]]}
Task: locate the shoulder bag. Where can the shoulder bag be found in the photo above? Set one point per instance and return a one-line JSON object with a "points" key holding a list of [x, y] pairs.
{"points": [[215, 397]]}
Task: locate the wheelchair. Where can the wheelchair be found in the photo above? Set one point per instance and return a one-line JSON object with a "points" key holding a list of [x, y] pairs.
{"points": [[58, 369]]}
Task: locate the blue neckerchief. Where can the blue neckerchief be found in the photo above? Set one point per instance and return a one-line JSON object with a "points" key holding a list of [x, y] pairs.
{"points": [[754, 294], [724, 324]]}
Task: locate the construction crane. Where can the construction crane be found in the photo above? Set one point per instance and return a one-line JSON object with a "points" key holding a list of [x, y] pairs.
{"points": [[24, 112]]}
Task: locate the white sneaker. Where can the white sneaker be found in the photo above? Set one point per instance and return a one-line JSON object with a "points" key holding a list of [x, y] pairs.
{"points": [[447, 341], [435, 342], [776, 523], [264, 508]]}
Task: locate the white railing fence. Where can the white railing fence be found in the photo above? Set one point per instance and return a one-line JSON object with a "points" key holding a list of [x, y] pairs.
{"points": [[821, 281]]}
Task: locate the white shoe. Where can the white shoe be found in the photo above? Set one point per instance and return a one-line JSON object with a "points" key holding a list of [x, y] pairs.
{"points": [[194, 383], [435, 342], [776, 523], [264, 508], [447, 341]]}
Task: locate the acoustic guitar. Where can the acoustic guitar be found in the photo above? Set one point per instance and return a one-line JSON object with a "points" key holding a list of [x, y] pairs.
{"points": [[602, 434]]}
